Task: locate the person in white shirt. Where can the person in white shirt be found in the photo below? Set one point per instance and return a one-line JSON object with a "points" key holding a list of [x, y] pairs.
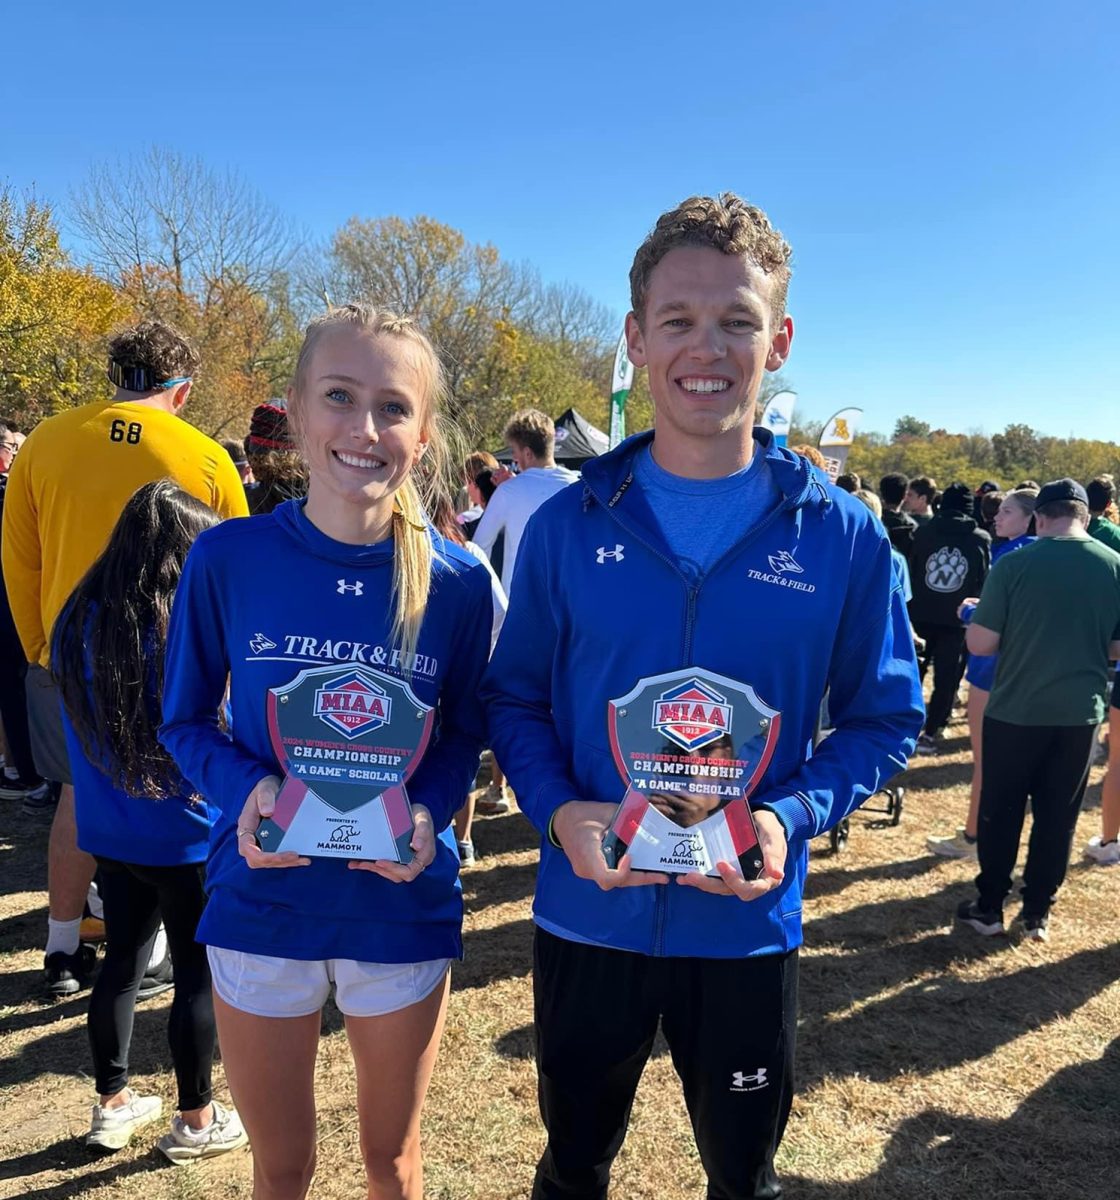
{"points": [[531, 437]]}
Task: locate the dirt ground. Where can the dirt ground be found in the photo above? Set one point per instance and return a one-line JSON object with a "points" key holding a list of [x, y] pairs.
{"points": [[931, 1062]]}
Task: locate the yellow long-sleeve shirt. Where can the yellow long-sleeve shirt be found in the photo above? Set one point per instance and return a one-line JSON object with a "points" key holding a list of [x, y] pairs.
{"points": [[68, 485]]}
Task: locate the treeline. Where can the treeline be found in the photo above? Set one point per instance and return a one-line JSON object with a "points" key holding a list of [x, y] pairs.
{"points": [[1008, 458], [165, 236]]}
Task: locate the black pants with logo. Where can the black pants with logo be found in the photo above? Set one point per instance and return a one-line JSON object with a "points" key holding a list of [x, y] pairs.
{"points": [[1049, 764], [945, 652], [730, 1025]]}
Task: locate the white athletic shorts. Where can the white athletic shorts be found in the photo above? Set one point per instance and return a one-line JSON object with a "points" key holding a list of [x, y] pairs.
{"points": [[290, 987]]}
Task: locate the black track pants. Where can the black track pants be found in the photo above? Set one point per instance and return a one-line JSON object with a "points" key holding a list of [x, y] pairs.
{"points": [[730, 1025], [1049, 764]]}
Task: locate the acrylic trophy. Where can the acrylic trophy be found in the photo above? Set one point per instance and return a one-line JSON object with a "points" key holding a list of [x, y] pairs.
{"points": [[348, 738], [691, 747]]}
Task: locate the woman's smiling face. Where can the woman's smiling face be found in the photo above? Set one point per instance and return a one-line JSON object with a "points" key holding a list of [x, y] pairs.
{"points": [[361, 414]]}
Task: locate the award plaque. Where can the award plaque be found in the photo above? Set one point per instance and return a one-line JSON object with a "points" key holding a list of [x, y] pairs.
{"points": [[348, 738], [691, 746]]}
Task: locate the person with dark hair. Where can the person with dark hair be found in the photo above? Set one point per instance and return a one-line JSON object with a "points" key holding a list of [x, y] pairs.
{"points": [[1052, 612], [921, 495], [279, 470], [54, 529], [989, 505], [236, 452], [1028, 483], [1014, 526], [849, 482], [147, 829], [949, 561], [1101, 495], [900, 526]]}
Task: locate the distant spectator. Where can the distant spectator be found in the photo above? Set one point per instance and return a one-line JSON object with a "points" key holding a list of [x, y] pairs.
{"points": [[919, 499], [899, 526], [1101, 493], [10, 441], [1052, 612], [989, 506], [531, 437], [236, 451], [811, 453], [901, 568], [949, 562], [849, 482], [278, 468], [1029, 483], [473, 467]]}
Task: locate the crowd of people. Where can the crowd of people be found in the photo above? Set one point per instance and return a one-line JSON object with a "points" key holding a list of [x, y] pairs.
{"points": [[153, 629]]}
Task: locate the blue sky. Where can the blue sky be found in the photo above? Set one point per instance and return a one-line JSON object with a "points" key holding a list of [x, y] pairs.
{"points": [[947, 173]]}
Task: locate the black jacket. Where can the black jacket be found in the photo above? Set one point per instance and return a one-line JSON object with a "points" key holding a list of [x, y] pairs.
{"points": [[949, 560], [900, 529]]}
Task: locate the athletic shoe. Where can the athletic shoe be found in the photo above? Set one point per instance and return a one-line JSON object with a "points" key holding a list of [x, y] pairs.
{"points": [[112, 1128], [1104, 854], [184, 1144], [68, 973], [12, 788], [157, 979], [494, 804], [928, 743], [39, 803], [466, 854], [1036, 928], [989, 924], [957, 846]]}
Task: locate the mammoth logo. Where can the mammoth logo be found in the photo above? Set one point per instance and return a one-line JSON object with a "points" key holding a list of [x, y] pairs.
{"points": [[946, 570]]}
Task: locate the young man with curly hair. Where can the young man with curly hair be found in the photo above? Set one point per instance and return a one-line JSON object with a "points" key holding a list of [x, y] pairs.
{"points": [[66, 490], [695, 549]]}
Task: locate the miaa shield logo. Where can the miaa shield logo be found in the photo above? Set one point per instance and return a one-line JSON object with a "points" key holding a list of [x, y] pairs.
{"points": [[692, 714], [352, 705]]}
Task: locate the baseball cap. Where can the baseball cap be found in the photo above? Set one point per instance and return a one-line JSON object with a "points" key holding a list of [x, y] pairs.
{"points": [[1061, 489]]}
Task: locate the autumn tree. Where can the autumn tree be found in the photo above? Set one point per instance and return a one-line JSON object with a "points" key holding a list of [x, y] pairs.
{"points": [[200, 249], [53, 317]]}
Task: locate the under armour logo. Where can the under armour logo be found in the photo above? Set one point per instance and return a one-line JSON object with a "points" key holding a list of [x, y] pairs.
{"points": [[344, 587], [602, 554], [742, 1082], [258, 643]]}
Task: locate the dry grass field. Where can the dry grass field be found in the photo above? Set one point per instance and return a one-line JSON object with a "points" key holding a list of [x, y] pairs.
{"points": [[932, 1062]]}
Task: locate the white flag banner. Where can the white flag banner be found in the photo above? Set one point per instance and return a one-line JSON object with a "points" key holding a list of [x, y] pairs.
{"points": [[777, 416], [622, 380], [836, 440]]}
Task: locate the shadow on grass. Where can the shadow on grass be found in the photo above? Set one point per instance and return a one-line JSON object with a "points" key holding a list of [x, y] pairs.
{"points": [[938, 1023], [505, 952], [1054, 1144], [71, 1154], [829, 880]]}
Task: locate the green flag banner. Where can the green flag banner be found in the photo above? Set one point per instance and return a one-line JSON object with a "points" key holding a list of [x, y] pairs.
{"points": [[621, 382]]}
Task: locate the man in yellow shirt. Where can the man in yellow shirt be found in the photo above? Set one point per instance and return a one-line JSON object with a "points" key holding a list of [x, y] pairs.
{"points": [[65, 492]]}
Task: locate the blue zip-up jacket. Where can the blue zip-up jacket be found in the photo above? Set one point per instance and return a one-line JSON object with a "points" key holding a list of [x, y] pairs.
{"points": [[261, 599], [807, 599]]}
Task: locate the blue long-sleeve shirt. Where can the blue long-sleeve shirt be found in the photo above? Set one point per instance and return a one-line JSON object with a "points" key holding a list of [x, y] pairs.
{"points": [[806, 599], [262, 599]]}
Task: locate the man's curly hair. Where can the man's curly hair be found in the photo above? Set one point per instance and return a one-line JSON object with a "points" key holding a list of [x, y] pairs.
{"points": [[157, 348], [726, 223]]}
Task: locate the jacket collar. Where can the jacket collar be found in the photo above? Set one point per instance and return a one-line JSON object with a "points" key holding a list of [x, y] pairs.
{"points": [[608, 477]]}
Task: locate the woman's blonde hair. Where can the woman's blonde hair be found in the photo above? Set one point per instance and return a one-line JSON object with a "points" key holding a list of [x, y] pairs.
{"points": [[412, 549]]}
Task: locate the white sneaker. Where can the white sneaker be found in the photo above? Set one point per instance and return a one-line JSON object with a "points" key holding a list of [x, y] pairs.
{"points": [[225, 1132], [1104, 854], [112, 1128], [952, 847]]}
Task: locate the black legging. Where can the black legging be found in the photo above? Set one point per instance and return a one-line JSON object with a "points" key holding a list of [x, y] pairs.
{"points": [[136, 899]]}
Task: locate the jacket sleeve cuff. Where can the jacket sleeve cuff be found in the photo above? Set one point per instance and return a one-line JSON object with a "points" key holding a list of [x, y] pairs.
{"points": [[794, 814], [549, 797]]}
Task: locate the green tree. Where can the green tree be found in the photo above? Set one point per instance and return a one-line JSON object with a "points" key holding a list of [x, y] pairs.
{"points": [[53, 317], [909, 427]]}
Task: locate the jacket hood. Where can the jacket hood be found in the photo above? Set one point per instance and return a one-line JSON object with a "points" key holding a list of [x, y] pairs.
{"points": [[607, 477], [951, 519]]}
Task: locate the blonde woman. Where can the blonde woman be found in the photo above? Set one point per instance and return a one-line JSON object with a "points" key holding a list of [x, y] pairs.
{"points": [[352, 578]]}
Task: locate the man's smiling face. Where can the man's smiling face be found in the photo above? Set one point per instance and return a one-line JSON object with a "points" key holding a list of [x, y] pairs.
{"points": [[706, 337]]}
